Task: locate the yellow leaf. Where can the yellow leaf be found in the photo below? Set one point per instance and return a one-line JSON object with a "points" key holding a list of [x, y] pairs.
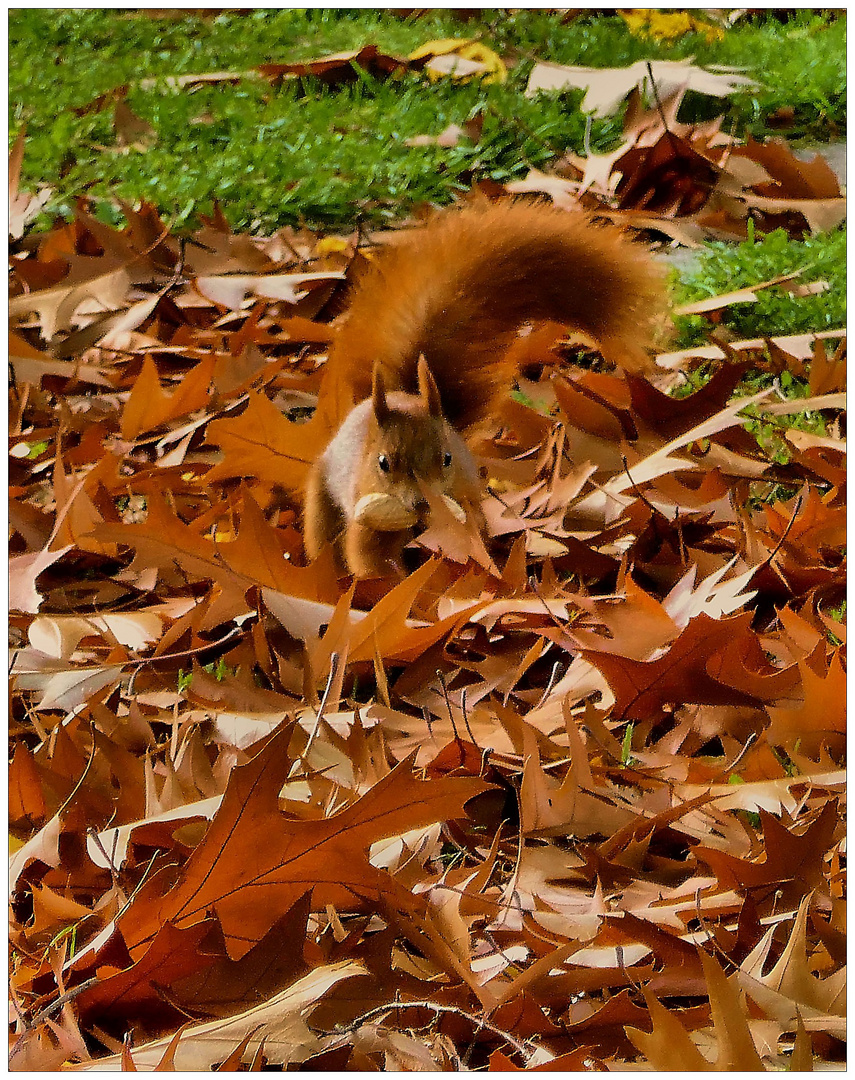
{"points": [[440, 47], [330, 245], [667, 26], [483, 54], [476, 60]]}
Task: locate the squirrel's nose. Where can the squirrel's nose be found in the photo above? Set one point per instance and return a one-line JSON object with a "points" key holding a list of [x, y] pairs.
{"points": [[422, 508]]}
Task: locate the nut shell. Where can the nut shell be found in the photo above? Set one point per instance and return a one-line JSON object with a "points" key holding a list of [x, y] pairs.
{"points": [[384, 513]]}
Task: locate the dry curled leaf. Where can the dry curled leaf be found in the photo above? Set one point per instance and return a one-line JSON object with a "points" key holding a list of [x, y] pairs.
{"points": [[525, 783]]}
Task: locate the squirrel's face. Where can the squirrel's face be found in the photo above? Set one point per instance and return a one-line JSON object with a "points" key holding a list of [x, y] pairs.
{"points": [[409, 446]]}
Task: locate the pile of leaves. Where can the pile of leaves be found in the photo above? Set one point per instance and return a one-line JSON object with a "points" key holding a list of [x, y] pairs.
{"points": [[689, 181], [568, 796]]}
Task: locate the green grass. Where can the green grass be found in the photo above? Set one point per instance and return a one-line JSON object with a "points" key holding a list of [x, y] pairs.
{"points": [[723, 268], [333, 155]]}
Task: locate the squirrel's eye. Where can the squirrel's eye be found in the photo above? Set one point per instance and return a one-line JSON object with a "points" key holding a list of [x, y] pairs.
{"points": [[383, 462], [446, 461]]}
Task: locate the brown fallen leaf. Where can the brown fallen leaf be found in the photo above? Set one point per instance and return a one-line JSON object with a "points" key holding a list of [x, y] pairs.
{"points": [[23, 572], [231, 291], [736, 1047], [105, 285], [799, 345], [326, 856], [336, 67], [133, 991], [26, 798], [193, 79], [668, 1047], [150, 406], [691, 670], [790, 176], [821, 719], [262, 444], [789, 990], [821, 215]]}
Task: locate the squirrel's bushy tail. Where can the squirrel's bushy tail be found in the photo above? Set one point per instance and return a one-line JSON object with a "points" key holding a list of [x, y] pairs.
{"points": [[458, 290]]}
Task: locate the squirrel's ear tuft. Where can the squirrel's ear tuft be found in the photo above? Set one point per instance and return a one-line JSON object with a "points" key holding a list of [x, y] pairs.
{"points": [[378, 395], [428, 389]]}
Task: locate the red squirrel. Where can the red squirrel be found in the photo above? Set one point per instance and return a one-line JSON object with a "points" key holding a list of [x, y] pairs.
{"points": [[424, 351]]}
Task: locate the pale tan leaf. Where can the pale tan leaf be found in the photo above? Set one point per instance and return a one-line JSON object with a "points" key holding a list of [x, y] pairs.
{"points": [[68, 689], [23, 571], [56, 306], [800, 346], [231, 290], [111, 846], [59, 635], [606, 88], [280, 1022], [740, 296]]}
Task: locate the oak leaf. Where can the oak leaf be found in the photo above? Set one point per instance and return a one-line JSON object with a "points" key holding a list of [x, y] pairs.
{"points": [[262, 444], [736, 1047], [694, 669], [793, 863], [606, 88], [668, 1047], [336, 67], [821, 718], [134, 991], [789, 989], [248, 885], [150, 405], [23, 572]]}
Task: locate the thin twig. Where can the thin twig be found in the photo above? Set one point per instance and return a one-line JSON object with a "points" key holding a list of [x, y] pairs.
{"points": [[58, 1003], [709, 934], [323, 705], [785, 533], [435, 1007], [441, 678], [465, 717], [83, 775], [622, 966], [534, 585], [658, 101], [752, 738], [553, 678], [93, 835]]}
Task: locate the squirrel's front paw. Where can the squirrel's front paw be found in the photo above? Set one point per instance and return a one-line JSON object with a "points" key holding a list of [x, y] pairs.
{"points": [[375, 567], [371, 553]]}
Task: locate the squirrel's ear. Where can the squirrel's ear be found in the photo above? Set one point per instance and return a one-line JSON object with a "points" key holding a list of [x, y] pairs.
{"points": [[428, 389], [378, 395]]}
